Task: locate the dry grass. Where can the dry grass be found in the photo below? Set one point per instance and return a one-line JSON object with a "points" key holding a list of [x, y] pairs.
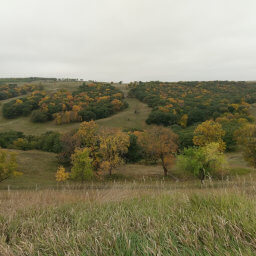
{"points": [[130, 219]]}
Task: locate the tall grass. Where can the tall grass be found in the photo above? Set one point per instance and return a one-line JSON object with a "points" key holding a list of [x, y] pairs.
{"points": [[129, 220]]}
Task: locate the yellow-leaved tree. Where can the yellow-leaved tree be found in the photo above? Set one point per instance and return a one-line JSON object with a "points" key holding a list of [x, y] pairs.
{"points": [[160, 143], [8, 165], [61, 174], [113, 145], [208, 132], [88, 135], [184, 120]]}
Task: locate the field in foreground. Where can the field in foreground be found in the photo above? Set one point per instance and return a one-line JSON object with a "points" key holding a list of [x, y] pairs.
{"points": [[130, 219]]}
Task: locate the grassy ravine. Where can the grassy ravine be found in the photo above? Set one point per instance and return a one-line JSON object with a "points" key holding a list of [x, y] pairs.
{"points": [[125, 119], [132, 117], [39, 169], [129, 221]]}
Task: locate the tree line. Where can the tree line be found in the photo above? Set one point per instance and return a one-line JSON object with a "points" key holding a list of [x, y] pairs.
{"points": [[184, 105], [91, 151], [13, 90]]}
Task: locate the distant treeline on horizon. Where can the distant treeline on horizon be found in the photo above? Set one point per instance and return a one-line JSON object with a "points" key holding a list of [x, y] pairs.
{"points": [[34, 79]]}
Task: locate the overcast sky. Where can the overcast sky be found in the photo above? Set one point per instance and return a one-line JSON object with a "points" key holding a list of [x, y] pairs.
{"points": [[112, 40]]}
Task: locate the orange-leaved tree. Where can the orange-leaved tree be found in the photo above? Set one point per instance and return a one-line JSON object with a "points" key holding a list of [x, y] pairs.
{"points": [[160, 143], [208, 132]]}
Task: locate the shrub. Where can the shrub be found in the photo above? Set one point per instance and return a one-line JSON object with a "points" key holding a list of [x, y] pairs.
{"points": [[87, 115], [38, 116]]}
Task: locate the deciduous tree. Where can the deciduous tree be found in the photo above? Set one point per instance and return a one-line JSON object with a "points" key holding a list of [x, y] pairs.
{"points": [[203, 161], [246, 138], [160, 143], [88, 134], [207, 132], [113, 145], [81, 165]]}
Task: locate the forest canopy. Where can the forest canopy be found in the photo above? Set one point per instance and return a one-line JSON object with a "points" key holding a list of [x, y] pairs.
{"points": [[186, 103], [88, 102]]}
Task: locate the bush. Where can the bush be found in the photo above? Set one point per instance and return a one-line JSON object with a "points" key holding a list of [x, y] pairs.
{"points": [[39, 116], [87, 115], [22, 144], [49, 141], [7, 138], [161, 118]]}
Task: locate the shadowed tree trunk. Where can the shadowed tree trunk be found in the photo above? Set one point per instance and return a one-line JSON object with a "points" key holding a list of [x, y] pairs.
{"points": [[166, 170]]}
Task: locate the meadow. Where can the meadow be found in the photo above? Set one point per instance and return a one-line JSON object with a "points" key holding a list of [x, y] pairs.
{"points": [[131, 219], [136, 211]]}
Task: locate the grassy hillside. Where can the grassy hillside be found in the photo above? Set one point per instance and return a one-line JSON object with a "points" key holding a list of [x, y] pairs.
{"points": [[133, 117], [38, 168], [129, 220], [136, 212], [125, 119]]}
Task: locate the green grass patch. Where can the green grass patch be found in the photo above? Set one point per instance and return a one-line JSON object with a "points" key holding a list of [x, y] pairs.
{"points": [[38, 169], [240, 171]]}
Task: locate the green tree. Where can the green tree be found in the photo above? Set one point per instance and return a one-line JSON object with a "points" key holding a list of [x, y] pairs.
{"points": [[203, 162], [81, 165], [246, 138], [134, 153]]}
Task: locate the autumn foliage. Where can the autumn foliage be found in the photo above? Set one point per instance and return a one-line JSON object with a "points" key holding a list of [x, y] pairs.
{"points": [[113, 145], [161, 144], [61, 174], [208, 132], [13, 90], [187, 103], [89, 102]]}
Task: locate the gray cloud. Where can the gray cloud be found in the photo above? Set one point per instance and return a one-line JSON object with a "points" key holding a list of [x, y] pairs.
{"points": [[129, 39]]}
